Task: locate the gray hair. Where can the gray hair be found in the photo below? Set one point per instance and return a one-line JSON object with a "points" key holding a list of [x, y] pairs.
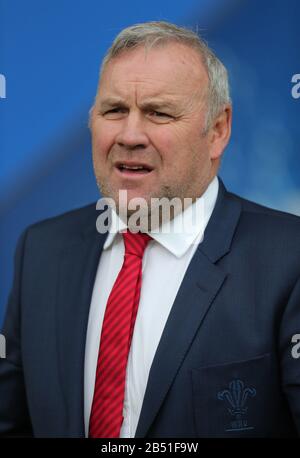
{"points": [[154, 33]]}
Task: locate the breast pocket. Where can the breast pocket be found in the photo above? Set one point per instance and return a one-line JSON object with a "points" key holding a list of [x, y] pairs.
{"points": [[234, 399]]}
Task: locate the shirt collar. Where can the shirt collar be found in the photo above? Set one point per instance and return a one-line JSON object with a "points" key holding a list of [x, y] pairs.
{"points": [[185, 229]]}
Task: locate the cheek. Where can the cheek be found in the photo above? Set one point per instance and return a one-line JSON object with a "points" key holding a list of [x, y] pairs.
{"points": [[102, 139], [184, 154], [167, 143], [175, 146]]}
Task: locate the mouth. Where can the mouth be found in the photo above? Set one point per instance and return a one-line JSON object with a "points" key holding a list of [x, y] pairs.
{"points": [[133, 169]]}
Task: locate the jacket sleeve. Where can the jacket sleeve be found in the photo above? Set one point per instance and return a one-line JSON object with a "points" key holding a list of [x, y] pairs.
{"points": [[14, 415], [290, 353]]}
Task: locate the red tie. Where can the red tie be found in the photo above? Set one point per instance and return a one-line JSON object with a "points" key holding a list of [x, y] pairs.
{"points": [[107, 408]]}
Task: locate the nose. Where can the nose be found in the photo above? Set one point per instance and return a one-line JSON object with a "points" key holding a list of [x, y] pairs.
{"points": [[132, 132]]}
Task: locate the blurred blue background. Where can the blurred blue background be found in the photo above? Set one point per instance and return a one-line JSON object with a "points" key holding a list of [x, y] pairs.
{"points": [[50, 52]]}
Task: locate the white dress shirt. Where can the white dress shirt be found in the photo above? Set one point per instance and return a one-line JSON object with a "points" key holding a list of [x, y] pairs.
{"points": [[165, 262]]}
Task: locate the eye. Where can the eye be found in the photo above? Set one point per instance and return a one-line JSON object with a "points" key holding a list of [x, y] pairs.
{"points": [[115, 110], [160, 117], [114, 113], [159, 114]]}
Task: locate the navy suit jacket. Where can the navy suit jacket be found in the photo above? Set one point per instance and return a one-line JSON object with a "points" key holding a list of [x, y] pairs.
{"points": [[224, 365]]}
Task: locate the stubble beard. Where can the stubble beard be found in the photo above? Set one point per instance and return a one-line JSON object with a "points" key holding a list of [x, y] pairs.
{"points": [[152, 215]]}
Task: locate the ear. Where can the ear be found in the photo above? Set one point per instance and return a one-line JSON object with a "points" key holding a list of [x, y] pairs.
{"points": [[219, 132]]}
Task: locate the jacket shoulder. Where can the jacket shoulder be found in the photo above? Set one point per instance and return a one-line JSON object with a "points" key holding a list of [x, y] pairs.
{"points": [[269, 225], [257, 210], [66, 225]]}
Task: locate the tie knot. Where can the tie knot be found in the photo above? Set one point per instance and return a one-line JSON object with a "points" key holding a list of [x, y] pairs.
{"points": [[135, 244]]}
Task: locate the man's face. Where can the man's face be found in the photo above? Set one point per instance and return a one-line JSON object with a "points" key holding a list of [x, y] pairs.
{"points": [[147, 125]]}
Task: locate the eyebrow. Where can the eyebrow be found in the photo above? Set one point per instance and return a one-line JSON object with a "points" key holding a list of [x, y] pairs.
{"points": [[111, 101], [152, 104], [158, 104]]}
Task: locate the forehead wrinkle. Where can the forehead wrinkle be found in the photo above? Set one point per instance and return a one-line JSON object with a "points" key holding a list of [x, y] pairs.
{"points": [[139, 88], [142, 80]]}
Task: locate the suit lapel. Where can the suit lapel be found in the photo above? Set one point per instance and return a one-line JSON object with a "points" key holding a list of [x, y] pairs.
{"points": [[78, 266], [201, 284]]}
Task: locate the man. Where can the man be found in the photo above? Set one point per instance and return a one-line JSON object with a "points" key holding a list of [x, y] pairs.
{"points": [[193, 335]]}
